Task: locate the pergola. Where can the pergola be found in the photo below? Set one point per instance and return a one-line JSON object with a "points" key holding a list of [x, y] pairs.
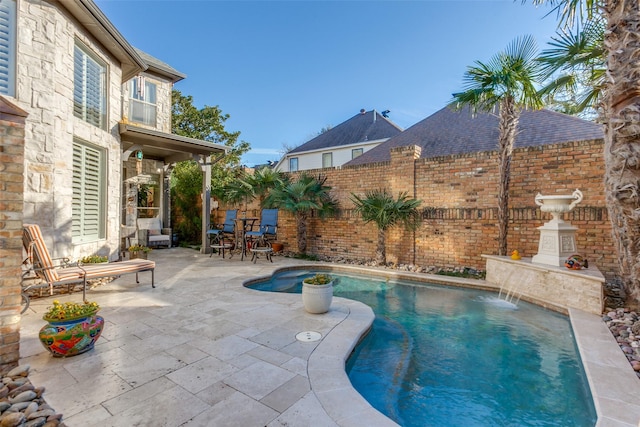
{"points": [[170, 149]]}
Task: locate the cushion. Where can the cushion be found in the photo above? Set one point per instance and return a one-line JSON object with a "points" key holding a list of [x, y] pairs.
{"points": [[154, 232]]}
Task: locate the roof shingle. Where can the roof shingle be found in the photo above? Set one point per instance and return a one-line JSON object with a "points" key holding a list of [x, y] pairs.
{"points": [[368, 126], [450, 132]]}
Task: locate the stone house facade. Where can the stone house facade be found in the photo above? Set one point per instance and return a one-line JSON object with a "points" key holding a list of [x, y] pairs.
{"points": [[94, 117]]}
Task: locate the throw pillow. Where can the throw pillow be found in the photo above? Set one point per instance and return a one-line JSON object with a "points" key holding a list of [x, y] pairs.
{"points": [[154, 232]]}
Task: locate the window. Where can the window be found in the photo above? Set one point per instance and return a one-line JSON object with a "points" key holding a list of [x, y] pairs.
{"points": [[88, 205], [327, 160], [356, 152], [142, 104], [89, 88], [8, 47], [293, 164]]}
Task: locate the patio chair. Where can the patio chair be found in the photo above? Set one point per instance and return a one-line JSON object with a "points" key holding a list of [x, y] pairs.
{"points": [[151, 233], [221, 236], [266, 232], [40, 264]]}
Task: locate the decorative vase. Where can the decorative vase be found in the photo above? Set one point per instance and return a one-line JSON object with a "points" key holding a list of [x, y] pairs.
{"points": [[317, 298], [557, 237], [69, 337]]}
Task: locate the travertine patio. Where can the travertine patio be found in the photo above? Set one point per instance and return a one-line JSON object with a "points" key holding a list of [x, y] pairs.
{"points": [[202, 350]]}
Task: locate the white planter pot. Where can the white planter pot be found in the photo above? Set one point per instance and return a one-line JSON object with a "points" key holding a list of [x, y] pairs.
{"points": [[317, 298]]}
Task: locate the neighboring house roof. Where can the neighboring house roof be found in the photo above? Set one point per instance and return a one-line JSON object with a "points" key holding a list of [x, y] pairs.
{"points": [[92, 18], [450, 132], [363, 127], [159, 67]]}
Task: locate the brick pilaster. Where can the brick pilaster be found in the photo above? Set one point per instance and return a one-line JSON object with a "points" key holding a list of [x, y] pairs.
{"points": [[12, 133]]}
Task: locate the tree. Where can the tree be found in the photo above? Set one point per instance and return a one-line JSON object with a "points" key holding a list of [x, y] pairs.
{"points": [[186, 187], [574, 69], [186, 178], [265, 180], [619, 113], [507, 81], [380, 207], [301, 197]]}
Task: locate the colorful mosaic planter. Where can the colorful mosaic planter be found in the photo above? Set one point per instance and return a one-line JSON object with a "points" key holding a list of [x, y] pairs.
{"points": [[66, 338]]}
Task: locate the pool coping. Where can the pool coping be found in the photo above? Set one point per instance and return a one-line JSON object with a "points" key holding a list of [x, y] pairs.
{"points": [[615, 388]]}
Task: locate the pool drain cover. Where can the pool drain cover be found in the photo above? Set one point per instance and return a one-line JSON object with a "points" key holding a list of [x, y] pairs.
{"points": [[308, 336]]}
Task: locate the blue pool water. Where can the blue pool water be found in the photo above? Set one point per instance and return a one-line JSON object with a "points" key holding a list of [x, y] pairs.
{"points": [[443, 356]]}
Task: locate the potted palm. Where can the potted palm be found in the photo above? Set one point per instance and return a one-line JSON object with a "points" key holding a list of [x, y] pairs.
{"points": [[71, 329], [317, 293]]}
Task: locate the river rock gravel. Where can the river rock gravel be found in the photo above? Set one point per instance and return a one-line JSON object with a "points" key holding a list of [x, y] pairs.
{"points": [[22, 404]]}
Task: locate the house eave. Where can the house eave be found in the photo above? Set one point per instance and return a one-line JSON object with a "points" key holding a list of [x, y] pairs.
{"points": [[168, 147], [336, 147], [92, 18]]}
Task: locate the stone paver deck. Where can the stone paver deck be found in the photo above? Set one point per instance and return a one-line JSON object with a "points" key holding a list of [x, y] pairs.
{"points": [[202, 350]]}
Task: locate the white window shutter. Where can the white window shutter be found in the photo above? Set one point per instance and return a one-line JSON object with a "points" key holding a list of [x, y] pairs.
{"points": [[88, 204], [8, 19]]}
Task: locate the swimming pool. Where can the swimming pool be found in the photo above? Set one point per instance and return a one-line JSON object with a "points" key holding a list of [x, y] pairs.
{"points": [[450, 356]]}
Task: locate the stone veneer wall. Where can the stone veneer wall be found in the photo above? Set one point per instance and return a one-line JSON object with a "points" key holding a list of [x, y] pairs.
{"points": [[11, 196], [556, 288], [47, 34], [458, 196]]}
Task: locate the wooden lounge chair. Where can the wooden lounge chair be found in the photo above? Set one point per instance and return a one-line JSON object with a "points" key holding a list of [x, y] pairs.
{"points": [[44, 268]]}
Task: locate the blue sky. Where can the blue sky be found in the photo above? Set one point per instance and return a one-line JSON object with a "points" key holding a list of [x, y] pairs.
{"points": [[283, 70]]}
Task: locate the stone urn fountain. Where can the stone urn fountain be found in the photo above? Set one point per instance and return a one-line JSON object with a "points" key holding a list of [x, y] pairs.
{"points": [[557, 237]]}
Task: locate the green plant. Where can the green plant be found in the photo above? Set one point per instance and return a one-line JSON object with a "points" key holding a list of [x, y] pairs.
{"points": [[70, 310], [302, 197], [319, 279], [138, 248], [93, 259], [381, 208]]}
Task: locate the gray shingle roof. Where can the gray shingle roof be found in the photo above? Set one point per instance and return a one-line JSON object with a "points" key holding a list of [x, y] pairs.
{"points": [[449, 132], [160, 67], [359, 128]]}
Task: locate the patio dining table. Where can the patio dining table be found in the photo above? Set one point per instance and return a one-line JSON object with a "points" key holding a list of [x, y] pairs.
{"points": [[244, 225]]}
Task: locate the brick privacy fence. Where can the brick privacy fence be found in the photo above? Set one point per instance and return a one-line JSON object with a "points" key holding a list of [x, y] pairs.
{"points": [[459, 199], [12, 130]]}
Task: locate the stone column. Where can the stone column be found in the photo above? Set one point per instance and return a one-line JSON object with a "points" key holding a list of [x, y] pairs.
{"points": [[12, 133]]}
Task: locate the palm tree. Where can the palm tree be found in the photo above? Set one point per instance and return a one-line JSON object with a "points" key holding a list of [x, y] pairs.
{"points": [[574, 69], [301, 197], [619, 113], [507, 81], [380, 207], [264, 180]]}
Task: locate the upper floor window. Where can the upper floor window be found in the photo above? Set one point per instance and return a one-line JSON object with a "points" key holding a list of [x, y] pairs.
{"points": [[293, 164], [89, 87], [8, 47], [88, 207], [327, 160], [142, 103], [356, 152]]}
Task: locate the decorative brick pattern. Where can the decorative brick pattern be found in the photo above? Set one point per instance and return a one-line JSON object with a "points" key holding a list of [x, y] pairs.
{"points": [[12, 132], [458, 196]]}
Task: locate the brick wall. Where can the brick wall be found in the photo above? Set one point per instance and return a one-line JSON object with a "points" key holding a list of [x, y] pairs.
{"points": [[11, 206], [458, 196]]}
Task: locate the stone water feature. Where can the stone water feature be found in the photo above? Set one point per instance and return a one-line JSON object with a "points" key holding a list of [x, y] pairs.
{"points": [[543, 278], [557, 237]]}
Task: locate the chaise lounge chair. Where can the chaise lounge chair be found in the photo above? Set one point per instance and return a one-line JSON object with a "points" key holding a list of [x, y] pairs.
{"points": [[40, 261]]}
